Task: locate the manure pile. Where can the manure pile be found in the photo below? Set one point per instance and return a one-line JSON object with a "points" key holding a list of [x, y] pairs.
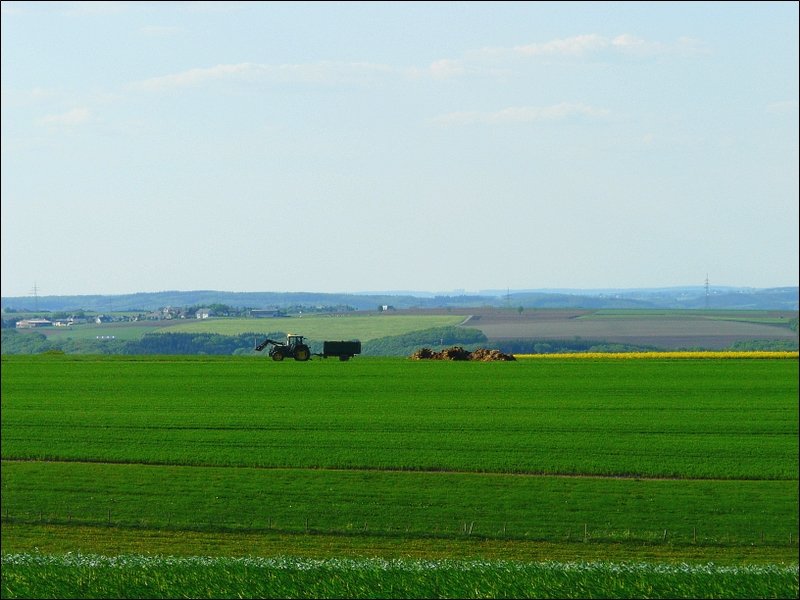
{"points": [[458, 353]]}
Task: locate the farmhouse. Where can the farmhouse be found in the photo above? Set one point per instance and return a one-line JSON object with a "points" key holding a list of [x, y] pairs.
{"points": [[31, 323]]}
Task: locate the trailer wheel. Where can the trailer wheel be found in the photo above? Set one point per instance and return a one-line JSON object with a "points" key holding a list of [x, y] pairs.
{"points": [[277, 355], [344, 357]]}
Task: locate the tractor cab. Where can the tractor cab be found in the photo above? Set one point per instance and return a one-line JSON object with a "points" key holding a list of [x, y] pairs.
{"points": [[294, 340]]}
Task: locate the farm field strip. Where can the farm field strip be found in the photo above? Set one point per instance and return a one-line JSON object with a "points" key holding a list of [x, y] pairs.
{"points": [[331, 327], [630, 454], [119, 331], [733, 419], [98, 576], [399, 503], [754, 316], [605, 328], [58, 539]]}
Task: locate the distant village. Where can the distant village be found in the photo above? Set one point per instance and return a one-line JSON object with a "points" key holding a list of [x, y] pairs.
{"points": [[170, 313], [163, 314]]}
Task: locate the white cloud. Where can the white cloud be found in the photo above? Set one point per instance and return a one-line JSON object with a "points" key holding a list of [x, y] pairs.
{"points": [[482, 62], [572, 46], [194, 77], [76, 116], [627, 43], [320, 73], [442, 69], [590, 44], [632, 45], [523, 114]]}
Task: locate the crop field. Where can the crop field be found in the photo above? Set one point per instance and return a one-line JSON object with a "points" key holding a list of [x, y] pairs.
{"points": [[89, 576], [316, 327], [385, 477], [319, 327], [664, 329], [120, 331]]}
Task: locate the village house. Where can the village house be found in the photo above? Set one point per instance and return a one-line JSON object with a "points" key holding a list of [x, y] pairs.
{"points": [[31, 323]]}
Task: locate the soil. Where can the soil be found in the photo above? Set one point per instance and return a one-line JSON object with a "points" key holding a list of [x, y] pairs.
{"points": [[459, 353]]}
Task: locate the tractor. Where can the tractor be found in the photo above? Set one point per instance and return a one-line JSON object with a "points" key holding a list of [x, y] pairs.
{"points": [[293, 347]]}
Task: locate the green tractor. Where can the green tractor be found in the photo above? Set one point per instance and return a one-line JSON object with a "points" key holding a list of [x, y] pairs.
{"points": [[294, 347]]}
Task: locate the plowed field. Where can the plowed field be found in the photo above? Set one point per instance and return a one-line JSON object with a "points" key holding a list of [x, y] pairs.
{"points": [[669, 330]]}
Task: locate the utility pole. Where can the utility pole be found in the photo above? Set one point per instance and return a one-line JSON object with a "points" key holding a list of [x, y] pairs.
{"points": [[35, 297], [707, 290]]}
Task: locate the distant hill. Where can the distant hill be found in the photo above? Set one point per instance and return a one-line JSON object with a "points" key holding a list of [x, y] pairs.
{"points": [[692, 297]]}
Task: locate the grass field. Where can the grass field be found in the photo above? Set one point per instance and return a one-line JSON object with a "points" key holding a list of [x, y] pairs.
{"points": [[597, 462], [120, 331], [315, 327], [327, 327]]}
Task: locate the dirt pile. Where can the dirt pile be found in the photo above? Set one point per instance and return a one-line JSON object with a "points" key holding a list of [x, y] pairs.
{"points": [[458, 353], [485, 354]]}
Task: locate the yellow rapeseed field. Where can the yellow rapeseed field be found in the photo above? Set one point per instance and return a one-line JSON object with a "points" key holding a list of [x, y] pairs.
{"points": [[676, 354]]}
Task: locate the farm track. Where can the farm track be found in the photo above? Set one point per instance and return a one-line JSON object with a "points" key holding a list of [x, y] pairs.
{"points": [[620, 477]]}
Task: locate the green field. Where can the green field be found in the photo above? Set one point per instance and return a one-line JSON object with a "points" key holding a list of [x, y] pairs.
{"points": [[317, 327], [90, 331], [663, 461]]}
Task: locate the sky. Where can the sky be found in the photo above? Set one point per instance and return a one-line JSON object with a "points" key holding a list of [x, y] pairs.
{"points": [[414, 146]]}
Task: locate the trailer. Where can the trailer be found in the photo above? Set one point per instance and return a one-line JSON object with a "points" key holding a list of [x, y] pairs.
{"points": [[296, 347], [345, 350]]}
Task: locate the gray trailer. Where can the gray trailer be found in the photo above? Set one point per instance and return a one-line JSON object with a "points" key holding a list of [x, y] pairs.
{"points": [[345, 350]]}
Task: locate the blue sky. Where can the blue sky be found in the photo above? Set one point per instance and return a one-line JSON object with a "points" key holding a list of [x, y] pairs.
{"points": [[348, 147]]}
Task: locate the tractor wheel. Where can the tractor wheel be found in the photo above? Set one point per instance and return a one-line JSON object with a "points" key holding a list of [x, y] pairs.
{"points": [[302, 353], [277, 355]]}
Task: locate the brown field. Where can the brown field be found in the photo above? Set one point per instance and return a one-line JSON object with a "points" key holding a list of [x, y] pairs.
{"points": [[667, 329]]}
